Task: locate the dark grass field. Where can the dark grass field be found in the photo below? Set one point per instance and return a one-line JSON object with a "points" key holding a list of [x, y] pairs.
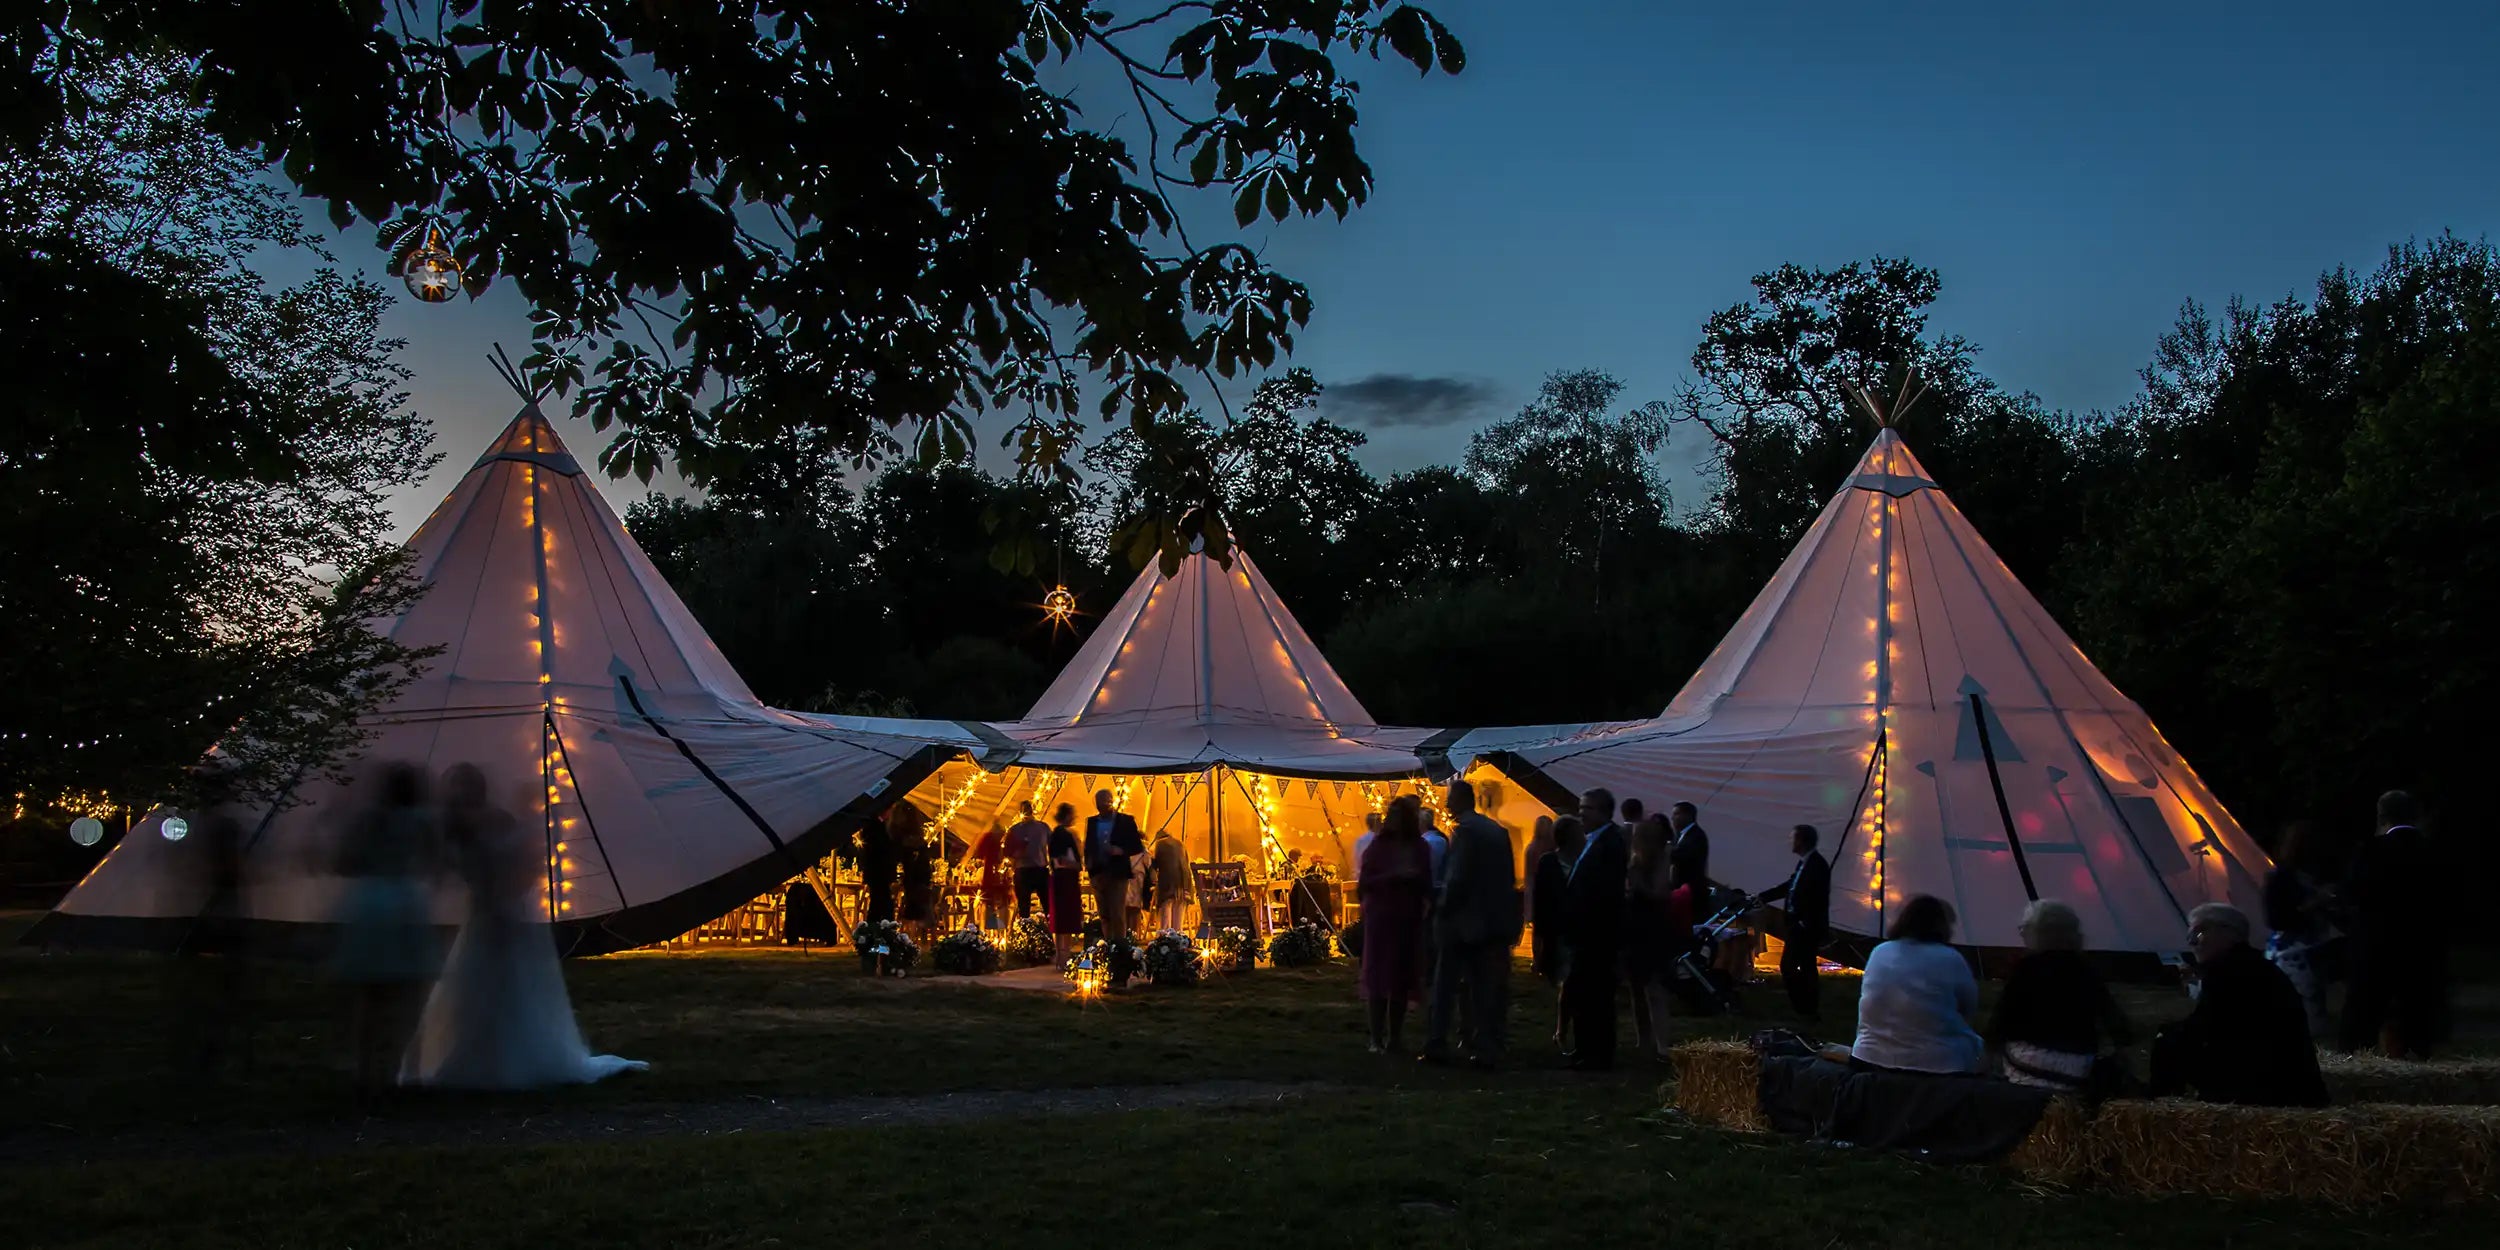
{"points": [[1348, 1149]]}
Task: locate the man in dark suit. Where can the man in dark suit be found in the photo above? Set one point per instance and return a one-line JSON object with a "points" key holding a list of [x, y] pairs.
{"points": [[1808, 893], [1593, 902], [1476, 921], [1689, 862], [2399, 955], [1111, 843]]}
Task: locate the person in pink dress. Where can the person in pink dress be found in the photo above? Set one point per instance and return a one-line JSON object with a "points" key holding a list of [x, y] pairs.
{"points": [[1394, 882]]}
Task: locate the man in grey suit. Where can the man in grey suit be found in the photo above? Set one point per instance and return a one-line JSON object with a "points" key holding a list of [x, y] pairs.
{"points": [[1477, 922]]}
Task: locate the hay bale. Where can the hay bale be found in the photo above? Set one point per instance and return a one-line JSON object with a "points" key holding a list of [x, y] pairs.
{"points": [[2058, 1150], [1719, 1083], [2349, 1156], [2473, 1082]]}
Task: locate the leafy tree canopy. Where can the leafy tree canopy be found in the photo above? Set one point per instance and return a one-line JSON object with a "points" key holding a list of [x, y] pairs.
{"points": [[751, 221]]}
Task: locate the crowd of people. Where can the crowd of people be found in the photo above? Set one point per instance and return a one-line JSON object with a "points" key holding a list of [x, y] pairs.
{"points": [[1033, 868], [2258, 1015], [1614, 893]]}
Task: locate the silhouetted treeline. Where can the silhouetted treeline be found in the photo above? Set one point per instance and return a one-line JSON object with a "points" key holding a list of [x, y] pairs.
{"points": [[2287, 548]]}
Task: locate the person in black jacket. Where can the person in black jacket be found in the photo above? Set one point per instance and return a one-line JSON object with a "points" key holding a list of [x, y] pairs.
{"points": [[1691, 856], [1808, 894], [2247, 1041], [2399, 947], [2056, 1015], [1593, 906], [1551, 954]]}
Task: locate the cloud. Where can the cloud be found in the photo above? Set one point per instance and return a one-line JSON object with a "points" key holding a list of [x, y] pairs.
{"points": [[1386, 400]]}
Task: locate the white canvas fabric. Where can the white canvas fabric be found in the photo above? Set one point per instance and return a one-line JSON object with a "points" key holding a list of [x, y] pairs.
{"points": [[1887, 685], [602, 714]]}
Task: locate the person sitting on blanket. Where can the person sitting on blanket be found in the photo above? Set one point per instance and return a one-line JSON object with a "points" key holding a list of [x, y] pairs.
{"points": [[2056, 1013], [2247, 1041], [1918, 996]]}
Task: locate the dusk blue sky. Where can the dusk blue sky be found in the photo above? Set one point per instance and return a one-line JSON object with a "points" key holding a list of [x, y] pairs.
{"points": [[1605, 175]]}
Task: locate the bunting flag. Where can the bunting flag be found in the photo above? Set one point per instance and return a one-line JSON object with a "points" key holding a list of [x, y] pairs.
{"points": [[1089, 781], [1340, 788], [1310, 789]]}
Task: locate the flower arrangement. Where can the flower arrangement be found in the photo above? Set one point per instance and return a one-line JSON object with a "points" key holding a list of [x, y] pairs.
{"points": [[966, 953], [1101, 965], [1172, 959], [1235, 948], [1029, 941], [1298, 947], [884, 949]]}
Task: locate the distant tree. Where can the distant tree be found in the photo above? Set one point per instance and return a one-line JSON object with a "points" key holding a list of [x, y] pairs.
{"points": [[193, 463], [742, 218], [1773, 388], [2290, 547], [1574, 481], [1430, 528], [789, 595]]}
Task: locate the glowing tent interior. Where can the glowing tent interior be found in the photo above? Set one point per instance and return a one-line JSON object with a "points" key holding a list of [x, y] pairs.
{"points": [[602, 714], [1896, 687], [1201, 704]]}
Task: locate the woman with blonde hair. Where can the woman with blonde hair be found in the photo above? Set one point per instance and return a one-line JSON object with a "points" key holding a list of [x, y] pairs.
{"points": [[2056, 1016]]}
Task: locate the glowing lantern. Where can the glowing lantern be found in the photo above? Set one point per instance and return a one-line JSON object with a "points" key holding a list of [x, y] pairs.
{"points": [[86, 831], [175, 828], [432, 273], [1058, 605]]}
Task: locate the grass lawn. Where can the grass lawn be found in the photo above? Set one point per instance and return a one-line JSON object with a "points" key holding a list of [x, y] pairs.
{"points": [[1366, 1151]]}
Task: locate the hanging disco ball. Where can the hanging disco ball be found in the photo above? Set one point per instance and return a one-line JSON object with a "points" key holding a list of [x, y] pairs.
{"points": [[175, 828], [86, 831], [430, 270]]}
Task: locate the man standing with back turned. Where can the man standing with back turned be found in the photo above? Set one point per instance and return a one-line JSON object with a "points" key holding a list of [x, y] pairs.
{"points": [[1477, 922], [1593, 901]]}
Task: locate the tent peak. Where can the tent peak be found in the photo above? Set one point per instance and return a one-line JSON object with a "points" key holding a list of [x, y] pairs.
{"points": [[530, 439]]}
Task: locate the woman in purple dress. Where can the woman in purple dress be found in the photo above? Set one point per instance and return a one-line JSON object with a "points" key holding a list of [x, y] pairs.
{"points": [[1394, 882]]}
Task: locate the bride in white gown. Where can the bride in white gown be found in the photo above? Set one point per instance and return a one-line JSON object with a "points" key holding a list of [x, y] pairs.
{"points": [[499, 1018]]}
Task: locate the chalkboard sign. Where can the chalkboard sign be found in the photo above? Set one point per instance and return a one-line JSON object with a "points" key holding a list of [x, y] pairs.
{"points": [[1224, 898]]}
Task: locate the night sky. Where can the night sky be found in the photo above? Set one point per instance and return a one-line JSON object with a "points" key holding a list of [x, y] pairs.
{"points": [[1604, 175]]}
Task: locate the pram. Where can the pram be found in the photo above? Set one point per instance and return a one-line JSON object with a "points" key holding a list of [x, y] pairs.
{"points": [[1696, 980]]}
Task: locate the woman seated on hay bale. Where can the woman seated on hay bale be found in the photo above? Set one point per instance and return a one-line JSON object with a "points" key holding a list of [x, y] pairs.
{"points": [[1917, 999], [2056, 1016], [2247, 1041]]}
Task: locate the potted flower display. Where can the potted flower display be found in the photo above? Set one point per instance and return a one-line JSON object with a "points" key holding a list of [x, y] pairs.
{"points": [[1029, 941], [1235, 949], [1172, 959], [967, 952], [884, 949], [1300, 946]]}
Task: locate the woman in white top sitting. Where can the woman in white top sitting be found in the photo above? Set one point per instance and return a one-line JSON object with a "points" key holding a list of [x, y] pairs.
{"points": [[1918, 997]]}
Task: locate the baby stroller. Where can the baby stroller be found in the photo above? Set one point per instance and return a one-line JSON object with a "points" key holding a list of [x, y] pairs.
{"points": [[1696, 980]]}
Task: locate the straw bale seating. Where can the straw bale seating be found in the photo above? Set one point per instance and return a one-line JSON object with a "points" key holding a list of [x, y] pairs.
{"points": [[2356, 1154]]}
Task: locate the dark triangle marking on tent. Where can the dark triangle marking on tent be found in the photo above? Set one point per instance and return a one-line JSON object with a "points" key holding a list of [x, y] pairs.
{"points": [[625, 682], [2005, 812], [1434, 753]]}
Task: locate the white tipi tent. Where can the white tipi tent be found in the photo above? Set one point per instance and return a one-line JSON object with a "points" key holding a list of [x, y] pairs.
{"points": [[1203, 706], [601, 712], [1852, 696]]}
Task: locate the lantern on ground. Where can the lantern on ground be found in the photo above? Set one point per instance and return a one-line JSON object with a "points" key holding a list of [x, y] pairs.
{"points": [[430, 270]]}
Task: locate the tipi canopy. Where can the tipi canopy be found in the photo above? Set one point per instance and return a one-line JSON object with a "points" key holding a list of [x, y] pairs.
{"points": [[1895, 687], [1207, 711], [603, 716]]}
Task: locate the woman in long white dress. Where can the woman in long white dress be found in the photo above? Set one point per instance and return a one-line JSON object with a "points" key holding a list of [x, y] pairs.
{"points": [[499, 1018]]}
